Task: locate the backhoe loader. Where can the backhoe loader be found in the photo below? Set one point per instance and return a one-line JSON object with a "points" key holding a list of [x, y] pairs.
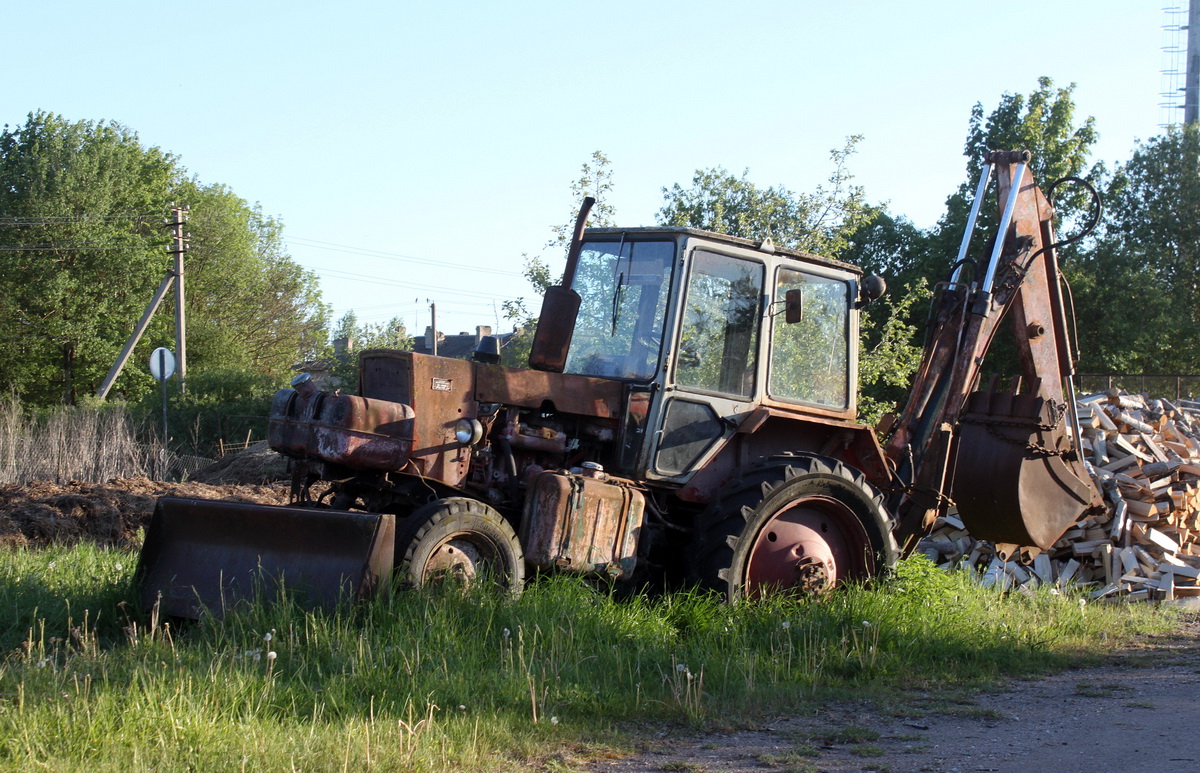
{"points": [[687, 416]]}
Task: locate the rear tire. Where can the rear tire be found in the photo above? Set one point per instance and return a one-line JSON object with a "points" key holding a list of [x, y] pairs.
{"points": [[800, 524], [461, 540]]}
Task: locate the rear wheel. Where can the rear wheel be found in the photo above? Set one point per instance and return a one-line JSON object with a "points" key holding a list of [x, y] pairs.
{"points": [[800, 524], [458, 540]]}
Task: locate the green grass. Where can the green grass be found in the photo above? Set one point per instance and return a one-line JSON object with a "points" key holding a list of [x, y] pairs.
{"points": [[444, 680]]}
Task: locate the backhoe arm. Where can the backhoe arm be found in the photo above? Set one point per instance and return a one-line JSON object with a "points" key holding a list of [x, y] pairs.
{"points": [[1002, 457]]}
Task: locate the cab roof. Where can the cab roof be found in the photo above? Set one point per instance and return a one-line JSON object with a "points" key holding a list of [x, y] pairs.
{"points": [[676, 231]]}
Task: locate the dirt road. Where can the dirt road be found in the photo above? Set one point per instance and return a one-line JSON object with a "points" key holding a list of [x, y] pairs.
{"points": [[1138, 713]]}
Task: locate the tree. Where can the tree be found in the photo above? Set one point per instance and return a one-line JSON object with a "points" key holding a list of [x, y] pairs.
{"points": [[595, 180], [1138, 290], [819, 222], [250, 306], [81, 208], [1042, 122]]}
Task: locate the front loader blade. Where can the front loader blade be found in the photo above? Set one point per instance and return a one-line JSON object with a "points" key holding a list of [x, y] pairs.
{"points": [[1016, 478], [202, 554]]}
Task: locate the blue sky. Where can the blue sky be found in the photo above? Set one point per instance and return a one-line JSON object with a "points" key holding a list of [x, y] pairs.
{"points": [[415, 152]]}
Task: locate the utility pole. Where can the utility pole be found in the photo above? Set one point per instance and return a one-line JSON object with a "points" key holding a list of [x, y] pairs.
{"points": [[179, 246], [174, 276], [1191, 89], [433, 324]]}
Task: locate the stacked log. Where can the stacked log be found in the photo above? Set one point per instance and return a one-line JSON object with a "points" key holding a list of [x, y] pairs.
{"points": [[1145, 456]]}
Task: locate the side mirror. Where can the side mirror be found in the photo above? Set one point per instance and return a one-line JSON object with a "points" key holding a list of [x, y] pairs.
{"points": [[793, 306], [870, 290]]}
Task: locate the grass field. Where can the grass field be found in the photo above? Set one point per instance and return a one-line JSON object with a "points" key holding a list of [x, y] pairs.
{"points": [[443, 681]]}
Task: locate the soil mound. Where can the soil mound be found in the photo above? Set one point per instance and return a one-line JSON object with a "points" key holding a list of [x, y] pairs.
{"points": [[257, 465], [43, 513]]}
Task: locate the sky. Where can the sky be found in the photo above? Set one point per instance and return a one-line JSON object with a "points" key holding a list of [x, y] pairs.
{"points": [[416, 152]]}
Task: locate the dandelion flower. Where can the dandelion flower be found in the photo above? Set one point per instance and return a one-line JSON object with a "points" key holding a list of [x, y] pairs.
{"points": [[271, 656], [786, 624], [554, 720], [267, 636]]}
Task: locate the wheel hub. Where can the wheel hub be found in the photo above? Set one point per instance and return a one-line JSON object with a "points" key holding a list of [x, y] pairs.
{"points": [[807, 548], [454, 559]]}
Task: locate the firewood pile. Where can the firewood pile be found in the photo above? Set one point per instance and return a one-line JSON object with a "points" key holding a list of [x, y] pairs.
{"points": [[1145, 457]]}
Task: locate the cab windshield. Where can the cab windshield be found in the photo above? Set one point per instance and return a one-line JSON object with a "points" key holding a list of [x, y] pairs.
{"points": [[624, 287]]}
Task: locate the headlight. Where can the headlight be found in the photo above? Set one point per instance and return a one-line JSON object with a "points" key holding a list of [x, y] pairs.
{"points": [[468, 431]]}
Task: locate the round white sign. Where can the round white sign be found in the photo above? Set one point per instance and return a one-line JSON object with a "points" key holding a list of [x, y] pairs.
{"points": [[162, 363]]}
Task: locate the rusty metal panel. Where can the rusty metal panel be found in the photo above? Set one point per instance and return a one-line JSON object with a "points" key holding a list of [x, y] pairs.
{"points": [[386, 374], [288, 425], [1016, 478], [582, 524], [578, 395], [443, 391], [343, 429], [362, 433], [212, 555]]}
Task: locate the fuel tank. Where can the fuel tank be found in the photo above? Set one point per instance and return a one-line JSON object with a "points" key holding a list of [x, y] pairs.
{"points": [[349, 430], [587, 523]]}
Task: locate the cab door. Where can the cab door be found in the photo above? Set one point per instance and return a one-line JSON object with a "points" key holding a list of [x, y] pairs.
{"points": [[715, 371]]}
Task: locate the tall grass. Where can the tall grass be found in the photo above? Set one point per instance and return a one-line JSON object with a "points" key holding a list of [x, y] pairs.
{"points": [[84, 443], [446, 680]]}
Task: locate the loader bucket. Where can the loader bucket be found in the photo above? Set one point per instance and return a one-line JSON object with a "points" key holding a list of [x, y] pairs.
{"points": [[202, 554], [1016, 478]]}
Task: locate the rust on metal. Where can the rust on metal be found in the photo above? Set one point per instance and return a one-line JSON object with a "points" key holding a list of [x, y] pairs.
{"points": [[578, 523], [1016, 477], [581, 395], [343, 429], [443, 391], [206, 555]]}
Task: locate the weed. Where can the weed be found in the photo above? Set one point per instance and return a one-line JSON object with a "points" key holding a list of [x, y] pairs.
{"points": [[867, 750], [852, 734], [790, 759], [1141, 704], [1087, 690]]}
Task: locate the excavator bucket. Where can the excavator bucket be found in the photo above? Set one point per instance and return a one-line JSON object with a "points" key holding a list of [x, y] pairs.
{"points": [[1016, 477], [209, 555]]}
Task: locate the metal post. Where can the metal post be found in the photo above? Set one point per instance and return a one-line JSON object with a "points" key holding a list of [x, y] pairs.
{"points": [[162, 368]]}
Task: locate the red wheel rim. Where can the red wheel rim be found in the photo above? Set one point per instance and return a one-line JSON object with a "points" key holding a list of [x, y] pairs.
{"points": [[808, 547]]}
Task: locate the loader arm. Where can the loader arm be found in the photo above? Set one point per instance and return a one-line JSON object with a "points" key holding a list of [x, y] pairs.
{"points": [[1003, 457]]}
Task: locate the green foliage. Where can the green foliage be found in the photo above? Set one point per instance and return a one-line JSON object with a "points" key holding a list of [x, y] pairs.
{"points": [[820, 222], [1137, 291], [81, 224], [350, 338], [80, 205], [595, 180], [446, 680], [1042, 122], [890, 352]]}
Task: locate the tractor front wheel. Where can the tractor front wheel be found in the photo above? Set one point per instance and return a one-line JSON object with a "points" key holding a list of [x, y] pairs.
{"points": [[799, 524], [460, 540]]}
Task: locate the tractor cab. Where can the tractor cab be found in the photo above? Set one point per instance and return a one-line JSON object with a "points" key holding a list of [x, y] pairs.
{"points": [[710, 334]]}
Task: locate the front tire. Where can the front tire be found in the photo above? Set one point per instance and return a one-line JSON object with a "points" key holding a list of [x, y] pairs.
{"points": [[461, 540], [799, 524]]}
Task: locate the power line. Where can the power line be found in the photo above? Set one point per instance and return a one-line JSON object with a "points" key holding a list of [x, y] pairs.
{"points": [[339, 274], [396, 256]]}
